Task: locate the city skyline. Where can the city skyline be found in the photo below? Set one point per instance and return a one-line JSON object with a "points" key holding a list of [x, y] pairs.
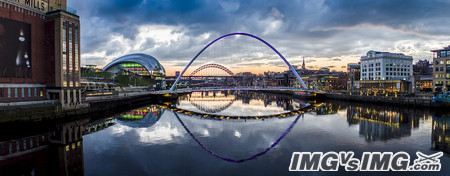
{"points": [[327, 33]]}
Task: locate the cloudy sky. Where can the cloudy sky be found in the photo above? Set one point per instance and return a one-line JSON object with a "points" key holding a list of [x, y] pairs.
{"points": [[328, 33]]}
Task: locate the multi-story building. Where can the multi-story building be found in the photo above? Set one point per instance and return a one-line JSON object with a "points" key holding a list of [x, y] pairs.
{"points": [[441, 70], [354, 74], [385, 73], [39, 52], [385, 66]]}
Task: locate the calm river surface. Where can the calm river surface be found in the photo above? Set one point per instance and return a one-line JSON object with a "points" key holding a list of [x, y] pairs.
{"points": [[206, 133]]}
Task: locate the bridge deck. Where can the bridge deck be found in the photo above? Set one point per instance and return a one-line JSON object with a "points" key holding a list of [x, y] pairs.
{"points": [[187, 90]]}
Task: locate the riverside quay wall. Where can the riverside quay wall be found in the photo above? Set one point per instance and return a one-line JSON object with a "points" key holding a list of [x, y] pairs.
{"points": [[413, 101], [53, 112]]}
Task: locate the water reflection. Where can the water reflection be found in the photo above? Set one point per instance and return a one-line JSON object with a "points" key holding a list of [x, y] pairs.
{"points": [[56, 148], [55, 152], [285, 132], [141, 118], [440, 136], [154, 142], [376, 124], [238, 103]]}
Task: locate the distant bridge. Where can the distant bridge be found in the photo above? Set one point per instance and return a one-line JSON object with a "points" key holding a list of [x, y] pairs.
{"points": [[300, 91], [203, 67]]}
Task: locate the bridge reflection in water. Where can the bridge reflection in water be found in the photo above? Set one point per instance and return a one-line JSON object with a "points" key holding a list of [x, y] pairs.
{"points": [[230, 104], [58, 148]]}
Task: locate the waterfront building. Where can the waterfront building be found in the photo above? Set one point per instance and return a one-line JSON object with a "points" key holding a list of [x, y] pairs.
{"points": [[139, 65], [385, 66], [354, 74], [385, 73], [441, 70], [39, 52], [326, 81]]}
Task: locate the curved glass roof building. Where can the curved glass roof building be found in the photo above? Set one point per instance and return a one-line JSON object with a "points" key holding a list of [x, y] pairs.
{"points": [[142, 65]]}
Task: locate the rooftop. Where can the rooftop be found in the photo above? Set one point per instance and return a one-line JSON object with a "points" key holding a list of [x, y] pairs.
{"points": [[445, 49], [377, 54]]}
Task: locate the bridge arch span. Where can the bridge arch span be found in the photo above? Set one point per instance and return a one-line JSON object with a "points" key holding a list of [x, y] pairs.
{"points": [[225, 69], [243, 34]]}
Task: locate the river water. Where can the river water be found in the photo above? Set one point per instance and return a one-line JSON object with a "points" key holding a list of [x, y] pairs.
{"points": [[226, 133]]}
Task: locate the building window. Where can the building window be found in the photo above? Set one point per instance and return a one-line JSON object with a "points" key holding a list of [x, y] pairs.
{"points": [[442, 68], [23, 92], [35, 92], [448, 62], [16, 92], [64, 58], [1, 93], [29, 92], [71, 64], [9, 92], [42, 92]]}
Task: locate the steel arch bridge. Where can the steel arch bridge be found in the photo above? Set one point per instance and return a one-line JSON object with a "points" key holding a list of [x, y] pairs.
{"points": [[221, 67], [243, 34]]}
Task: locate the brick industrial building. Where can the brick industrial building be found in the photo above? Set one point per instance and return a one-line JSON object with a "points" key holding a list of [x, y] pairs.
{"points": [[39, 52]]}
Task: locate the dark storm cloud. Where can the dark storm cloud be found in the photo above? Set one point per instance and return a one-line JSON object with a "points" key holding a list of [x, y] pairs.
{"points": [[328, 28], [394, 13]]}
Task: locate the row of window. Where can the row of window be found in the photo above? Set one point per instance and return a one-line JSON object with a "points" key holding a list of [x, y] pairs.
{"points": [[387, 74], [387, 65], [388, 69], [20, 92], [380, 78], [69, 74], [447, 76], [440, 83], [21, 145], [442, 54], [440, 69], [442, 62]]}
